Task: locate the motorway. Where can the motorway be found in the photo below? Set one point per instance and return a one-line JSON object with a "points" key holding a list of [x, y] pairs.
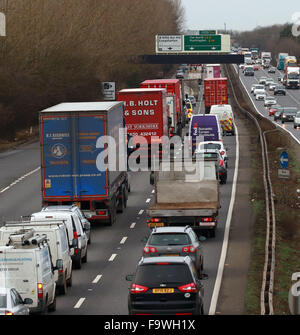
{"points": [[291, 99], [100, 288]]}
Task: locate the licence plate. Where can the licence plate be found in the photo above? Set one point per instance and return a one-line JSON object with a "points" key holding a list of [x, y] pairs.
{"points": [[156, 224], [163, 290], [175, 255]]}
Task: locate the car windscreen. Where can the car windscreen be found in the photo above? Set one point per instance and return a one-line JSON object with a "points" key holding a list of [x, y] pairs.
{"points": [[207, 155], [260, 87], [290, 110], [298, 114], [154, 274], [3, 301], [165, 239]]}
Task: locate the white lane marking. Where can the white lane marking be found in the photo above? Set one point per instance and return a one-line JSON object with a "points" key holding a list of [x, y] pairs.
{"points": [[141, 212], [112, 257], [95, 281], [216, 291], [19, 179], [153, 191], [123, 240], [79, 303], [278, 125], [148, 200], [132, 225]]}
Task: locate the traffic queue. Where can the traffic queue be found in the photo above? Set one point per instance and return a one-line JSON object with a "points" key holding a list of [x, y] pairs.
{"points": [[79, 186]]}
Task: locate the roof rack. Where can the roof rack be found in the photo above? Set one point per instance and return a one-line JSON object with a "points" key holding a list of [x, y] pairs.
{"points": [[26, 237]]}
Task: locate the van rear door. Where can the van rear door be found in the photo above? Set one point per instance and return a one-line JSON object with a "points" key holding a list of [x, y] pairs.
{"points": [[18, 270]]}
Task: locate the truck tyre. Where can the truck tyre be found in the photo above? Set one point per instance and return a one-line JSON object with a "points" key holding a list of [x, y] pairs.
{"points": [[121, 203], [52, 307], [151, 178], [112, 215]]}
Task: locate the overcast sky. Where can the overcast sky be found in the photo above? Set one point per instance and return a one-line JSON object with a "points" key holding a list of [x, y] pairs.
{"points": [[238, 15]]}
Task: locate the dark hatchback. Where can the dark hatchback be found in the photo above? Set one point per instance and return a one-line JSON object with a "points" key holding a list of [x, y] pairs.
{"points": [[288, 114], [279, 89], [165, 285]]}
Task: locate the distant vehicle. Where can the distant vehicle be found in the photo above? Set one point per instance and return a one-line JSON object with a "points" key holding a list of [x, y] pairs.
{"points": [[279, 89], [260, 94], [272, 70], [274, 108], [272, 86], [192, 100], [258, 61], [165, 285], [175, 241], [288, 114], [269, 101], [297, 120], [262, 80], [256, 87], [225, 117], [11, 303], [277, 114], [179, 75], [248, 71], [256, 67], [281, 60], [269, 81]]}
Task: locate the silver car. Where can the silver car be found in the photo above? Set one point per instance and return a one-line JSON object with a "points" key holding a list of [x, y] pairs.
{"points": [[297, 120], [175, 241], [11, 303], [270, 101]]}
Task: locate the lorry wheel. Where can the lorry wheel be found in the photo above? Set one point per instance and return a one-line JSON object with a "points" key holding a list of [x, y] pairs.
{"points": [[121, 204], [84, 259], [112, 216], [77, 263]]}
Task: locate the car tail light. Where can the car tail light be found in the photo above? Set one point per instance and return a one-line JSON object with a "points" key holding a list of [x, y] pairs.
{"points": [[138, 288], [207, 219], [189, 248], [155, 220], [75, 234], [40, 290], [9, 313], [221, 162], [101, 212], [188, 288], [222, 152], [148, 250]]}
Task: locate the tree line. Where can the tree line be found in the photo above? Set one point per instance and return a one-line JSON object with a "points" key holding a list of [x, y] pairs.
{"points": [[276, 38], [60, 50]]}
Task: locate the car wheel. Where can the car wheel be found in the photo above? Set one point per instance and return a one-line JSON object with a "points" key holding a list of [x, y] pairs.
{"points": [[84, 259], [202, 310], [52, 307], [70, 281], [62, 289], [77, 263]]}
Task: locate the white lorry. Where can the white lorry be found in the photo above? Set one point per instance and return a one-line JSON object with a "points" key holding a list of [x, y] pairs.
{"points": [[25, 264]]}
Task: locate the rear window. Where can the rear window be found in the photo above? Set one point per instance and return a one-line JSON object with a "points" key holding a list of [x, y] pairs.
{"points": [[3, 301], [211, 146], [154, 275], [165, 239]]}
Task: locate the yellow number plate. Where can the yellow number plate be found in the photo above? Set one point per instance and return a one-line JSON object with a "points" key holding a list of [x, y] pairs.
{"points": [[156, 224], [163, 290]]}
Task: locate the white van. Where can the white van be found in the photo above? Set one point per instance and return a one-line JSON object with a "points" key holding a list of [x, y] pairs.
{"points": [[25, 264], [225, 116], [59, 247], [77, 236]]}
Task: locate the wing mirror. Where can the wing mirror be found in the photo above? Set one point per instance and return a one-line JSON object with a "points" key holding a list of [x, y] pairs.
{"points": [[59, 265]]}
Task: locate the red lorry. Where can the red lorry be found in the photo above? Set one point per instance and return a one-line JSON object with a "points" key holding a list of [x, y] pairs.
{"points": [[145, 115], [173, 87], [215, 92]]}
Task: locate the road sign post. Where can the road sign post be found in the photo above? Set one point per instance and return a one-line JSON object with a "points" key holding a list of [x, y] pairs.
{"points": [[202, 43]]}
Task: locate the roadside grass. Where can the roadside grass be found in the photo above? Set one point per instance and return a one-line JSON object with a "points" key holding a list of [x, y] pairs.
{"points": [[252, 301]]}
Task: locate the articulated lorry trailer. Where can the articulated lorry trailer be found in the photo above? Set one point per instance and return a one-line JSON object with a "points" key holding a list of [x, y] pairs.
{"points": [[186, 197], [281, 60], [75, 162]]}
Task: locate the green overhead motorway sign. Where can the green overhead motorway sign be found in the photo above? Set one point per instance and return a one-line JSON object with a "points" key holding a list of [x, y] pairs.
{"points": [[202, 43]]}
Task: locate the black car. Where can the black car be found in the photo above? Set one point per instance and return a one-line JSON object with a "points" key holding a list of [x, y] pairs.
{"points": [[165, 285], [279, 89], [288, 114]]}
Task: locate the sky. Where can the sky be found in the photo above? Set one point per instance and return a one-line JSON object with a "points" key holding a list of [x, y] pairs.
{"points": [[238, 15]]}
